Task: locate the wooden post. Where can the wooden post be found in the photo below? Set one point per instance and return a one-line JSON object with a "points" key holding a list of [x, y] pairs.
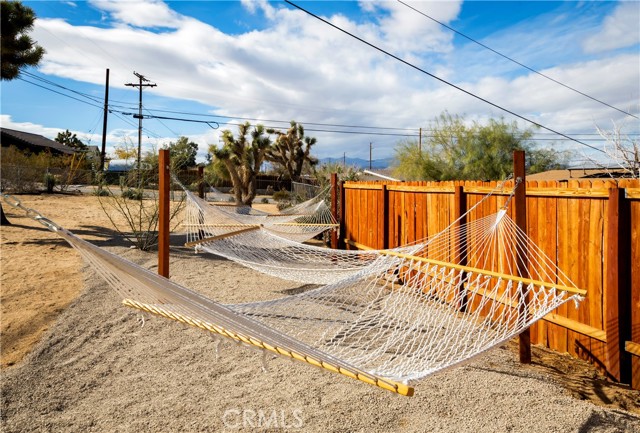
{"points": [[617, 293], [201, 181], [460, 252], [163, 213], [3, 218], [520, 204], [334, 208], [343, 215], [384, 214]]}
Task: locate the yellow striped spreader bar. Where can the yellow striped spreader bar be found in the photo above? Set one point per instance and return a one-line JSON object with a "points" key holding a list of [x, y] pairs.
{"points": [[389, 385]]}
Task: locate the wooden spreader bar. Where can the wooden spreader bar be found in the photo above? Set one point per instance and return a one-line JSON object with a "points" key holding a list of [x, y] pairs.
{"points": [[305, 224], [218, 237], [381, 382], [486, 272]]}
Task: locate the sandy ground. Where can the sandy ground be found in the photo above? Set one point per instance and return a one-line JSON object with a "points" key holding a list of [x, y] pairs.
{"points": [[97, 366]]}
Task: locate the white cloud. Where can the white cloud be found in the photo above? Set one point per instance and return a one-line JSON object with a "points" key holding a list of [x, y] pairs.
{"points": [[149, 13], [406, 31], [33, 128], [253, 6], [299, 68], [619, 30]]}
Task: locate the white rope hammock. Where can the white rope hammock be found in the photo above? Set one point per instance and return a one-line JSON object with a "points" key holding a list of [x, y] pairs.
{"points": [[259, 248], [402, 318], [299, 223]]}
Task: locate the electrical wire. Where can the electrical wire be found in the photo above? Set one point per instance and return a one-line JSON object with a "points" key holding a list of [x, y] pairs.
{"points": [[364, 130], [515, 61], [493, 104], [59, 93]]}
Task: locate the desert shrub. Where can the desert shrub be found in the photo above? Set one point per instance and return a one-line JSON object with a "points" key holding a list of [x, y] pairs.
{"points": [[23, 171], [49, 182], [281, 195], [283, 205], [101, 192], [132, 194], [139, 207]]}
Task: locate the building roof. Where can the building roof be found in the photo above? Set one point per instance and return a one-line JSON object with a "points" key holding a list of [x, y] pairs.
{"points": [[33, 142], [579, 173], [379, 174], [120, 164]]}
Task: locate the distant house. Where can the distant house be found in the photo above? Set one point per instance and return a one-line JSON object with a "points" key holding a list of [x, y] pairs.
{"points": [[34, 143], [120, 165], [380, 174], [579, 173]]}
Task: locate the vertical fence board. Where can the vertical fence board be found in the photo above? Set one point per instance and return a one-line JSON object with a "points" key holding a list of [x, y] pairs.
{"points": [[595, 270], [635, 288], [533, 233]]}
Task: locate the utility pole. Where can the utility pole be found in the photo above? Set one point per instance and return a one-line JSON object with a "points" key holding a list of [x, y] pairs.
{"points": [[140, 85], [420, 141], [344, 159], [370, 154], [104, 123]]}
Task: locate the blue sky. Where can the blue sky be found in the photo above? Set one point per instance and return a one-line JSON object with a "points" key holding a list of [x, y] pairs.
{"points": [[227, 61]]}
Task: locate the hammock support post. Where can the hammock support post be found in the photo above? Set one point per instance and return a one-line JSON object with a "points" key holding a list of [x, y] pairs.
{"points": [[459, 215], [201, 181], [334, 208], [341, 221], [618, 302], [163, 212], [520, 204]]}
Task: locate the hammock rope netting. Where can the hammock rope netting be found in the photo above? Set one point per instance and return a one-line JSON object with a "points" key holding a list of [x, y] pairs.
{"points": [[402, 315], [301, 222]]}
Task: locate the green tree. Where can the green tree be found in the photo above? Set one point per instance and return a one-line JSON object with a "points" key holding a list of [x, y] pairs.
{"points": [[183, 153], [70, 139], [456, 150], [126, 149], [291, 150], [242, 156], [17, 48], [215, 172]]}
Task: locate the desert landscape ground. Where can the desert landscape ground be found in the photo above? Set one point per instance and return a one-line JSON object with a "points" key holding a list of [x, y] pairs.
{"points": [[75, 359]]}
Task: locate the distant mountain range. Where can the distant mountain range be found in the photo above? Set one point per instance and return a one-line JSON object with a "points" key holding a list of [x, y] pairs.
{"points": [[360, 163]]}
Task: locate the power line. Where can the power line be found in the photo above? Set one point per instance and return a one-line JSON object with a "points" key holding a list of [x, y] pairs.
{"points": [[506, 110], [363, 130], [152, 116], [515, 61], [52, 83], [59, 93]]}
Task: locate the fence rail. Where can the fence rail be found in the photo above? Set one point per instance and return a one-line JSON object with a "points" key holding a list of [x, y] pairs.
{"points": [[589, 228]]}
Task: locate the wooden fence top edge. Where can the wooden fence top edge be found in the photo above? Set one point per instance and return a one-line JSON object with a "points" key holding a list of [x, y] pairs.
{"points": [[631, 193], [415, 188]]}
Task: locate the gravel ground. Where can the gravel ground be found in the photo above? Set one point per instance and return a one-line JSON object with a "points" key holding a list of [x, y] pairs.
{"points": [[100, 368]]}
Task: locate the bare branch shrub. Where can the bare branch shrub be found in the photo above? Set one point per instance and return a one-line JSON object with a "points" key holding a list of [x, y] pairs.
{"points": [[622, 150], [136, 199]]}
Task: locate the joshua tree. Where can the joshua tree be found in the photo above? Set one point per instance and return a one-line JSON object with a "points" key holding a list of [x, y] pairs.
{"points": [[242, 156], [291, 150]]}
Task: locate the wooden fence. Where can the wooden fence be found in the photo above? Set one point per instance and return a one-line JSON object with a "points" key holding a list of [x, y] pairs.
{"points": [[590, 228]]}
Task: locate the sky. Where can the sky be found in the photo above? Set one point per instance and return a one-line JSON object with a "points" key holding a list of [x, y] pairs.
{"points": [[216, 64]]}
